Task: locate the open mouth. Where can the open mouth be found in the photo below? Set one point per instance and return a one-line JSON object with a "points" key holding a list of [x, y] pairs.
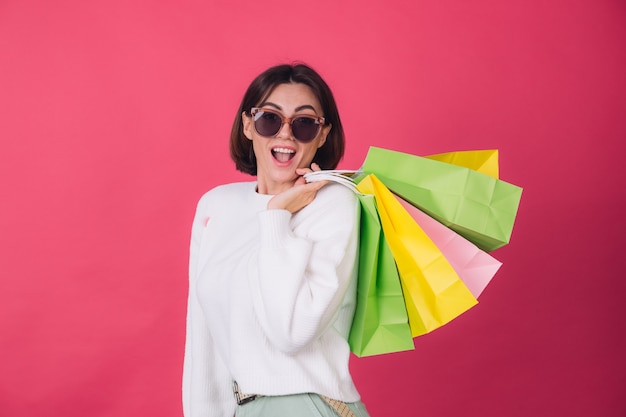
{"points": [[283, 154]]}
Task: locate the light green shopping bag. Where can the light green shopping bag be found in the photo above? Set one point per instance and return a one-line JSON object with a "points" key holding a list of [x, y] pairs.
{"points": [[380, 322], [477, 206]]}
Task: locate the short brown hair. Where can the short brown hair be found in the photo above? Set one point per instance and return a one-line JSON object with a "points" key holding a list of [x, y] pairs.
{"points": [[328, 155]]}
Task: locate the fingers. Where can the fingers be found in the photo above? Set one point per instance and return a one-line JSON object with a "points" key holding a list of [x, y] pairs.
{"points": [[297, 197], [301, 194], [317, 185], [300, 180], [302, 171]]}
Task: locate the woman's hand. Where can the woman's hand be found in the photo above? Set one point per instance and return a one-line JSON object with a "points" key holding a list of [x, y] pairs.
{"points": [[300, 195]]}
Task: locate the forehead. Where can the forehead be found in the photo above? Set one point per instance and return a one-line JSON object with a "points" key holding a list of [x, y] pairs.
{"points": [[293, 95]]}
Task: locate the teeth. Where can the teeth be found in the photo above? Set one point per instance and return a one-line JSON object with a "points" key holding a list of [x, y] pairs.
{"points": [[283, 150]]}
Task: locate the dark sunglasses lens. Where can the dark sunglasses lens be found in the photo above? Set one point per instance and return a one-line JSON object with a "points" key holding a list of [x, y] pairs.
{"points": [[267, 124], [305, 128]]}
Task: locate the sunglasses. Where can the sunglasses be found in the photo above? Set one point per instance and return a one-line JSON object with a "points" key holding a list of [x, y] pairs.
{"points": [[268, 123]]}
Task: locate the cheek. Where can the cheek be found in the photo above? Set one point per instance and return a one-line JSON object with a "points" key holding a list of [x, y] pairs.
{"points": [[308, 154], [257, 148]]}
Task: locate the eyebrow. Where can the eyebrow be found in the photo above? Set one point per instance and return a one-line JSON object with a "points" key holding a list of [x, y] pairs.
{"points": [[297, 109]]}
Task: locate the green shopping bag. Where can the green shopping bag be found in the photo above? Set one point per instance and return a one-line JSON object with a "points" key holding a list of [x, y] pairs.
{"points": [[380, 322], [477, 206]]}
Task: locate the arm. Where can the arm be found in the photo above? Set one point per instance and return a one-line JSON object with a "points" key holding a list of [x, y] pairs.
{"points": [[302, 274], [206, 381]]}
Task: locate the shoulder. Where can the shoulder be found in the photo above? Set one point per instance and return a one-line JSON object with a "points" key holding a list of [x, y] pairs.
{"points": [[333, 214], [334, 193], [226, 194], [334, 199]]}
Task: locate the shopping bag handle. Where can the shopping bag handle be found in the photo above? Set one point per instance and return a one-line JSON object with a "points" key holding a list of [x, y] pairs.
{"points": [[340, 176]]}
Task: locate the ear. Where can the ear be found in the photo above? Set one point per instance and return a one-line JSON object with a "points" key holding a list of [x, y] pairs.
{"points": [[325, 132], [247, 125]]}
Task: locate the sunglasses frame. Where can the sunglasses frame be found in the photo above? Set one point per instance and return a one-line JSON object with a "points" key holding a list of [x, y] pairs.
{"points": [[289, 120]]}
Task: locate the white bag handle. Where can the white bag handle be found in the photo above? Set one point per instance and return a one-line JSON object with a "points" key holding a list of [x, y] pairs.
{"points": [[340, 176]]}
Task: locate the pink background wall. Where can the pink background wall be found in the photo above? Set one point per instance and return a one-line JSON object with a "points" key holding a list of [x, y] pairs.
{"points": [[114, 119]]}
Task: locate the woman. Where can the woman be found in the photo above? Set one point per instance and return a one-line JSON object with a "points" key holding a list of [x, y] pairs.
{"points": [[273, 264]]}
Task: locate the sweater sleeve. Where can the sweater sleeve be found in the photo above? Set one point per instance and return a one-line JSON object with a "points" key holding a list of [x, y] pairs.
{"points": [[304, 267], [206, 380]]}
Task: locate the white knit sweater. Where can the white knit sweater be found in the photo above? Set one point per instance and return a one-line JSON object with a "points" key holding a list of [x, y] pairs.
{"points": [[271, 298]]}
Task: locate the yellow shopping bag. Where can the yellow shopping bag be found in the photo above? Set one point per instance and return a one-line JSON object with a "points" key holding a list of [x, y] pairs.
{"points": [[433, 292], [485, 162]]}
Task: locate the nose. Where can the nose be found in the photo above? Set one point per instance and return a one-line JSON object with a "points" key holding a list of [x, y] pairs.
{"points": [[285, 131]]}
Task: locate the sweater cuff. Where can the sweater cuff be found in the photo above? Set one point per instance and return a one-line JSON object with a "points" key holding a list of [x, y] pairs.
{"points": [[274, 226]]}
